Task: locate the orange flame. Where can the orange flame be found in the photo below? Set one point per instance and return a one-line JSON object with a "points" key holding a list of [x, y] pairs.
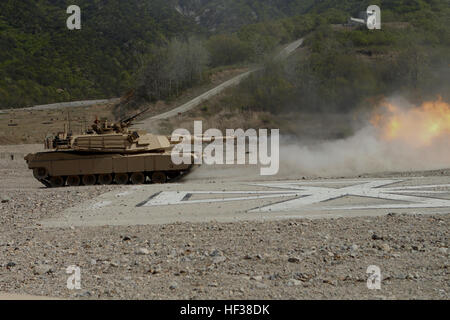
{"points": [[418, 126]]}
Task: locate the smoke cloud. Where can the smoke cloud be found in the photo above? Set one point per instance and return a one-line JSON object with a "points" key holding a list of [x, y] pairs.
{"points": [[404, 137]]}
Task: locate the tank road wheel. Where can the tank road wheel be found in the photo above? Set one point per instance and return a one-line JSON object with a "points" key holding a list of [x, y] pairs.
{"points": [[40, 173], [137, 178], [89, 179], [159, 177], [73, 181], [57, 182], [105, 178], [121, 178]]}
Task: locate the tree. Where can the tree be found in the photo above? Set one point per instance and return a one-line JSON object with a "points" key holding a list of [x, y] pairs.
{"points": [[167, 70], [227, 50]]}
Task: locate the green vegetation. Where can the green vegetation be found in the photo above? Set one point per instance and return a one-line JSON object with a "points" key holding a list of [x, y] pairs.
{"points": [[166, 71], [341, 68], [217, 16], [169, 69], [228, 49], [159, 48], [41, 61]]}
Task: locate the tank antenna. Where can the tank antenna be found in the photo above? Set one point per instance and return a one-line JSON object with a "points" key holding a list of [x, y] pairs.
{"points": [[68, 120]]}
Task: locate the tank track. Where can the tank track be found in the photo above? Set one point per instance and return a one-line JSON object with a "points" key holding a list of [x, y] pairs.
{"points": [[182, 174], [45, 182]]}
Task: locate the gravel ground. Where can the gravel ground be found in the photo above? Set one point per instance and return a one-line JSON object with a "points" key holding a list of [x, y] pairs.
{"points": [[24, 201], [320, 259], [289, 259]]}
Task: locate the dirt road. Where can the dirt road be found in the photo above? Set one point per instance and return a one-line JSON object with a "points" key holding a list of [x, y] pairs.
{"points": [[148, 123], [62, 105]]}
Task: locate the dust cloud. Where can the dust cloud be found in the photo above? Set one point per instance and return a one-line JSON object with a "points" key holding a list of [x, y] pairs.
{"points": [[364, 152], [405, 138]]}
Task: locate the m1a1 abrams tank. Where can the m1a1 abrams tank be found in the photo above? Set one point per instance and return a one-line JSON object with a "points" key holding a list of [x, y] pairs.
{"points": [[106, 154]]}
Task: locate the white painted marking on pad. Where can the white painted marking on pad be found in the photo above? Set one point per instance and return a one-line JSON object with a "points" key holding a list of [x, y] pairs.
{"points": [[308, 193], [101, 204]]}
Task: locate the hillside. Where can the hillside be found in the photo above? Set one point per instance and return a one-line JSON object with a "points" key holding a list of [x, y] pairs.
{"points": [[161, 48], [221, 15], [41, 61], [341, 71], [231, 15]]}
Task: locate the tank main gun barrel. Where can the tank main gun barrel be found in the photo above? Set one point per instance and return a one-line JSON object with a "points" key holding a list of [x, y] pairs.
{"points": [[203, 139]]}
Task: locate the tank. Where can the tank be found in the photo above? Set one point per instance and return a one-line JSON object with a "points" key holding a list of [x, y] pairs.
{"points": [[105, 154]]}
